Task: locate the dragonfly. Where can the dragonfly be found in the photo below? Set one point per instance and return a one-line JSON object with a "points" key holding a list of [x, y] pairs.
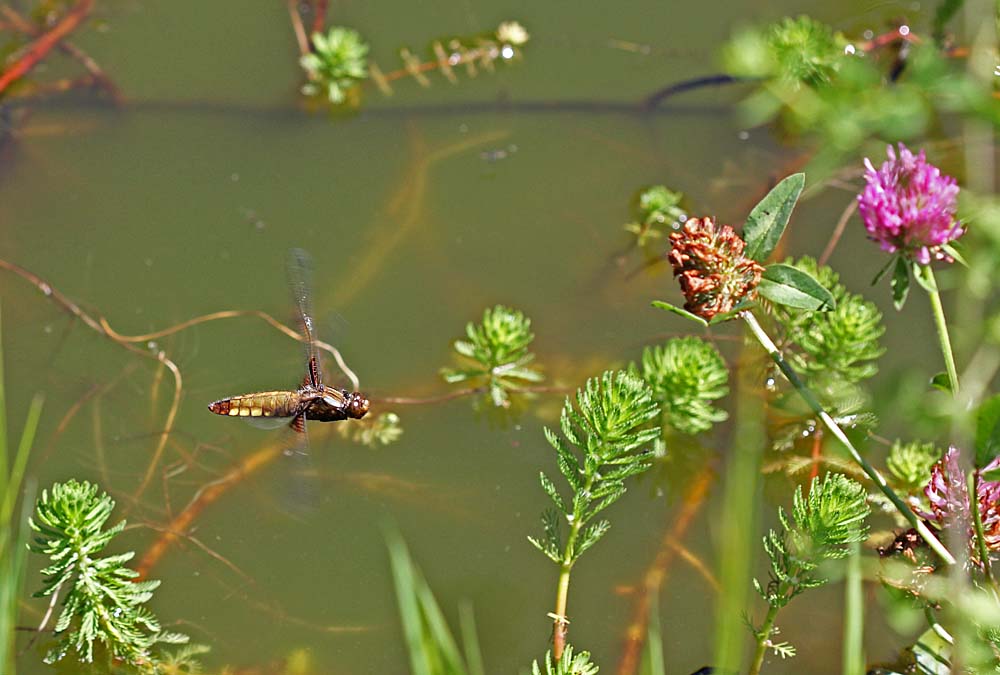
{"points": [[313, 400]]}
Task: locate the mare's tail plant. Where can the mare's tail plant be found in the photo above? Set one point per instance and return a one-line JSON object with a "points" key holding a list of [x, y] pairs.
{"points": [[103, 602], [605, 441], [496, 355], [822, 525], [337, 63]]}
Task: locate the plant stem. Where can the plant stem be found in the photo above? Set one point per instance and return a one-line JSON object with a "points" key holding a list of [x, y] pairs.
{"points": [[854, 611], [835, 429], [763, 640], [937, 311], [559, 620], [977, 523]]}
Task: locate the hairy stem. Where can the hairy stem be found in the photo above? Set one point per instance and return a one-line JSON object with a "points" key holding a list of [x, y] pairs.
{"points": [[937, 311], [835, 429], [763, 640]]}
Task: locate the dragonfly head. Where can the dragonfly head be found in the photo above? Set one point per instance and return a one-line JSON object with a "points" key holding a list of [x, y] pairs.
{"points": [[357, 405]]}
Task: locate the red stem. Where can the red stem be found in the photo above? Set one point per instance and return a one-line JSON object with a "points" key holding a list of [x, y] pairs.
{"points": [[38, 49]]}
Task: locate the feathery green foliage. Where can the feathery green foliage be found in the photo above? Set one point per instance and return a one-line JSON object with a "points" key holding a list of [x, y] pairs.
{"points": [[567, 664], [686, 375], [800, 51], [657, 206], [608, 427], [843, 342], [102, 601], [337, 63], [496, 354], [817, 83], [911, 463], [821, 526]]}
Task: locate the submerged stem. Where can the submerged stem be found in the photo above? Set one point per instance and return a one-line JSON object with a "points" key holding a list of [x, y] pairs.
{"points": [[835, 429]]}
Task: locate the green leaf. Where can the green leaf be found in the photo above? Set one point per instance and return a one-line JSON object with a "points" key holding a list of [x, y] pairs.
{"points": [[942, 382], [988, 431], [923, 276], [766, 222], [992, 474], [550, 490], [786, 285], [900, 283], [666, 306]]}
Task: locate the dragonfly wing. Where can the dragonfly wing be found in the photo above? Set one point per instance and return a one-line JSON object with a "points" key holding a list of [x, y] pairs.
{"points": [[266, 422], [300, 282], [302, 493]]}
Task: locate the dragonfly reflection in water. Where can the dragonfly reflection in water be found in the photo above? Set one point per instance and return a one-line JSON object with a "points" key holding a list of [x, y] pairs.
{"points": [[313, 400]]}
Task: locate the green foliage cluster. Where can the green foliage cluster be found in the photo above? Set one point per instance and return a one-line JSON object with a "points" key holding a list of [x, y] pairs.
{"points": [[337, 63], [815, 82], [657, 206], [911, 463], [608, 427], [843, 342], [496, 354], [103, 602], [822, 525], [801, 52], [569, 663], [686, 375]]}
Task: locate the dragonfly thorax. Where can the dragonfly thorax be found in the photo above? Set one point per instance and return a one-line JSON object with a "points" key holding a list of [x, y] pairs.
{"points": [[327, 404]]}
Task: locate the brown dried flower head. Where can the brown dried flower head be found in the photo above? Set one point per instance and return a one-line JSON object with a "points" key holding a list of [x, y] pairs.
{"points": [[714, 274]]}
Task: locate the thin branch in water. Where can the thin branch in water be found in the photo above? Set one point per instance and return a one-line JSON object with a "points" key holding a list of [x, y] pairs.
{"points": [[38, 49], [96, 73], [300, 30], [838, 231], [656, 574]]}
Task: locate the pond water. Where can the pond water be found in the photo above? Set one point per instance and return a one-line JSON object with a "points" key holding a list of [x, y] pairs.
{"points": [[419, 211]]}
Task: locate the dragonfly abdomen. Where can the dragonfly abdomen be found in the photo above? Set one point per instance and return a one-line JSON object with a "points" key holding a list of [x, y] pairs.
{"points": [[260, 404]]}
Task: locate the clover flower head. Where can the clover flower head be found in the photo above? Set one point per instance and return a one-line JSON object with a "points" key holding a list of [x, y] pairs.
{"points": [[908, 205], [947, 494], [709, 263]]}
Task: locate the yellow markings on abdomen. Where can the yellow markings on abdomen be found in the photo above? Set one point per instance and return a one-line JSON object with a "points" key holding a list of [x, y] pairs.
{"points": [[263, 404]]}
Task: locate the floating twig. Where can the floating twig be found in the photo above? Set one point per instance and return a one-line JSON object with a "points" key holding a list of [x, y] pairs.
{"points": [[38, 49]]}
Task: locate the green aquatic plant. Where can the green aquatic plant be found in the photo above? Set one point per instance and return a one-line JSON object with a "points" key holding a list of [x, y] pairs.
{"points": [[337, 63], [384, 429], [496, 354], [822, 526], [686, 375], [657, 206], [844, 342], [605, 439], [801, 52], [569, 663], [911, 463], [103, 602]]}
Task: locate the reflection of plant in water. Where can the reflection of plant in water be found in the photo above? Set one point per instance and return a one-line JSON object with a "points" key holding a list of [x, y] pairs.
{"points": [[103, 603], [496, 353]]}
